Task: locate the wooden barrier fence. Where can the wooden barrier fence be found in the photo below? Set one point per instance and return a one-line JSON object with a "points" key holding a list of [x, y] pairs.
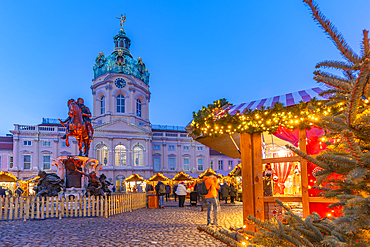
{"points": [[25, 208]]}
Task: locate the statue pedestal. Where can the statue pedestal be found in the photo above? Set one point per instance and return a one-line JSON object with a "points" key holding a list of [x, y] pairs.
{"points": [[72, 169]]}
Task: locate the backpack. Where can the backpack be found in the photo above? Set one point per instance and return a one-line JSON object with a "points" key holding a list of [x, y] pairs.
{"points": [[162, 189], [202, 189]]}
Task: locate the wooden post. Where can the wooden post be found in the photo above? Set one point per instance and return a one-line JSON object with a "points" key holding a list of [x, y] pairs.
{"points": [[304, 174], [93, 206], [61, 213], [247, 178], [76, 206], [57, 207], [1, 208], [27, 209], [11, 208], [259, 206], [16, 205], [80, 206], [42, 207], [21, 206], [38, 208], [47, 207], [106, 213], [33, 207]]}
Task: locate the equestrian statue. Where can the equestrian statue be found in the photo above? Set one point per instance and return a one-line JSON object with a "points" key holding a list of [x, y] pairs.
{"points": [[78, 124]]}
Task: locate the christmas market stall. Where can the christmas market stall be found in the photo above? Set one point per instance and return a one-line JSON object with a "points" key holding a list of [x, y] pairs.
{"points": [[189, 179], [27, 185], [133, 181], [258, 132], [8, 182]]}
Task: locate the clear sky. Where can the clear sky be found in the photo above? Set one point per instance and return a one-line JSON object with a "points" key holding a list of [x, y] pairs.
{"points": [[196, 51]]}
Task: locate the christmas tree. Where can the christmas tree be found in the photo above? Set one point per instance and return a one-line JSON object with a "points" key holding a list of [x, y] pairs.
{"points": [[347, 156]]}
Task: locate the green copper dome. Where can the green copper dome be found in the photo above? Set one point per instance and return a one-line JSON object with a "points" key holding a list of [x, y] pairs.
{"points": [[121, 61]]}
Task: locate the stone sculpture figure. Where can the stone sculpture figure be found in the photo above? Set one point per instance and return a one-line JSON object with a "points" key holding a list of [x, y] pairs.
{"points": [[78, 124], [122, 20], [105, 183], [49, 184], [94, 187]]}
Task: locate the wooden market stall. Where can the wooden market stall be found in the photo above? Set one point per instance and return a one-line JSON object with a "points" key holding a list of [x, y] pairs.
{"points": [[8, 181], [134, 180], [283, 119]]}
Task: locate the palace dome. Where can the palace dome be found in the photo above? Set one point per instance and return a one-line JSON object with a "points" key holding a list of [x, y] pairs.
{"points": [[121, 61]]}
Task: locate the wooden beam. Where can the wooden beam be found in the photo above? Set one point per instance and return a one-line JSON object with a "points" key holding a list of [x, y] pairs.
{"points": [[247, 178], [304, 174], [259, 209], [282, 198], [282, 159], [322, 200]]}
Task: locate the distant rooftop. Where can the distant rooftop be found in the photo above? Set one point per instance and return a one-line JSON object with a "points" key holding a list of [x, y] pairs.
{"points": [[168, 127]]}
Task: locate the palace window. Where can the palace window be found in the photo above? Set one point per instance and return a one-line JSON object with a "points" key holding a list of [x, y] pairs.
{"points": [[230, 164], [46, 162], [200, 164], [138, 108], [186, 148], [171, 147], [220, 164], [120, 104], [211, 165], [102, 105], [120, 155], [171, 163], [186, 164], [102, 153], [10, 161], [138, 156], [157, 147], [46, 143], [26, 161], [157, 163], [27, 143], [200, 148]]}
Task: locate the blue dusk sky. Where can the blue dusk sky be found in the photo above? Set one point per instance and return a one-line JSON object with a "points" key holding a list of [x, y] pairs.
{"points": [[196, 51]]}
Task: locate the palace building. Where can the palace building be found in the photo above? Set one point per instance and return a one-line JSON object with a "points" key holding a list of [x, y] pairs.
{"points": [[125, 142]]}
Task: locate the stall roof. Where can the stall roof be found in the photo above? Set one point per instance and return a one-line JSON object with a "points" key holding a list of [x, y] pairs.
{"points": [[229, 146]]}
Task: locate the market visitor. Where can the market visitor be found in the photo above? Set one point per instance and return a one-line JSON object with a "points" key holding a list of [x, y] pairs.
{"points": [[139, 188], [174, 190], [161, 191], [225, 191], [233, 192], [114, 189], [212, 186], [2, 192], [148, 188], [181, 192], [168, 192]]}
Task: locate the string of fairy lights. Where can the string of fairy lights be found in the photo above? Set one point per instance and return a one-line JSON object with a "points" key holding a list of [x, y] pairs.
{"points": [[215, 120]]}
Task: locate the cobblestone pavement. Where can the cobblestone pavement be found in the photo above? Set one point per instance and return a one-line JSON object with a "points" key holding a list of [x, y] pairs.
{"points": [[171, 226]]}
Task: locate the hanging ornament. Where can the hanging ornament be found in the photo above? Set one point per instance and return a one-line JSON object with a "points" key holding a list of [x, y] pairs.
{"points": [[296, 170], [275, 177]]}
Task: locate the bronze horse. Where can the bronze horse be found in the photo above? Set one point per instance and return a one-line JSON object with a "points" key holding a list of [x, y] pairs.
{"points": [[76, 127]]}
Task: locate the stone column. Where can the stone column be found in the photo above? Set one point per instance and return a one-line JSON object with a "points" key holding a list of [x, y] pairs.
{"points": [[111, 151], [179, 158], [164, 156], [16, 161], [37, 154], [56, 148], [147, 153], [129, 152], [108, 102], [194, 158]]}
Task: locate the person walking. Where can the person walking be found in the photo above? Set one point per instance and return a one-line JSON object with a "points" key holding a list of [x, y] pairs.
{"points": [[225, 191], [168, 192], [210, 181], [161, 191], [174, 190], [233, 192], [139, 188], [114, 189], [2, 192], [181, 191]]}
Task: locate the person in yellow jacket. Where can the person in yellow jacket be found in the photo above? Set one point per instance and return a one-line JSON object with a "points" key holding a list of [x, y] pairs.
{"points": [[212, 186]]}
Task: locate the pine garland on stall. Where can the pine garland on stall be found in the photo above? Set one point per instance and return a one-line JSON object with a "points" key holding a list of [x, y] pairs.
{"points": [[347, 156]]}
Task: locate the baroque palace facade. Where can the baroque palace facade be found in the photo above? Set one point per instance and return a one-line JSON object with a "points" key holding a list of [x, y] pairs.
{"points": [[124, 142]]}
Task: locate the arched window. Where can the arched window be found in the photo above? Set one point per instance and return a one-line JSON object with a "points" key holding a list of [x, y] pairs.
{"points": [[120, 155], [102, 154], [120, 104], [102, 105], [138, 156], [138, 108], [121, 43]]}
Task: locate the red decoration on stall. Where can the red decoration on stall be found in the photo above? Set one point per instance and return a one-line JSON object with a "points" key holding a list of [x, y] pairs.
{"points": [[282, 172]]}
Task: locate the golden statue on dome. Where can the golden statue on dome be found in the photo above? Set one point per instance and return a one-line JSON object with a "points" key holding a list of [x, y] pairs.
{"points": [[122, 20]]}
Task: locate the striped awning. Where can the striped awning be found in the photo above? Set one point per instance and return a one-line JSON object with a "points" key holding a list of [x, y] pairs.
{"points": [[285, 99]]}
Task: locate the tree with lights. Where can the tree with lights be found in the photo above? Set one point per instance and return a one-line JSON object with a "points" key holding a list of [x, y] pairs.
{"points": [[347, 155]]}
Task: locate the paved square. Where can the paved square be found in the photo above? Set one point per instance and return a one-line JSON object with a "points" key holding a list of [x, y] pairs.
{"points": [[171, 226]]}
